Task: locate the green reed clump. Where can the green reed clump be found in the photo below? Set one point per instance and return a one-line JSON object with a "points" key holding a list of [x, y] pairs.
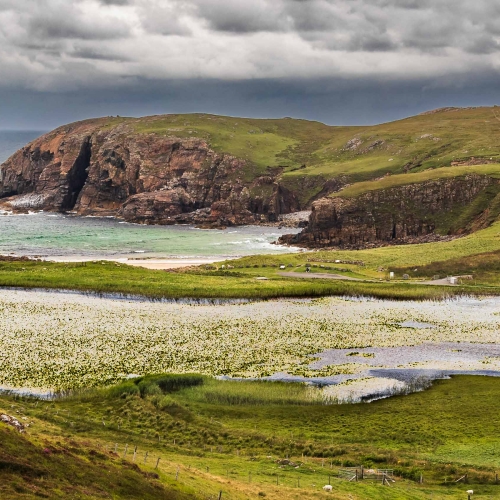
{"points": [[150, 385], [255, 392]]}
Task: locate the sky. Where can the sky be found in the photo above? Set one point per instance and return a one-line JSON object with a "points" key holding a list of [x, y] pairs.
{"points": [[342, 62]]}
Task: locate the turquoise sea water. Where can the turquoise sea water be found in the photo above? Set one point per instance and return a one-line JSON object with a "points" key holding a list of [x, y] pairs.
{"points": [[50, 235]]}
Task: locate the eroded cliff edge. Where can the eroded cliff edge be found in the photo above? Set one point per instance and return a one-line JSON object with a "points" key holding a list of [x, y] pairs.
{"points": [[94, 169], [412, 213]]}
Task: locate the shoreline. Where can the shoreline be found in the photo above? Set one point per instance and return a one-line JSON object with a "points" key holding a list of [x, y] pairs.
{"points": [[153, 263]]}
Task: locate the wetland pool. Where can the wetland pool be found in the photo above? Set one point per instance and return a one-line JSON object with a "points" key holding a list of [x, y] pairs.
{"points": [[355, 348]]}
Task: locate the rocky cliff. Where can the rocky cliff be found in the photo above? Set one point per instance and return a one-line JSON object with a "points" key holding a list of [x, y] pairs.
{"points": [[92, 168], [403, 214]]}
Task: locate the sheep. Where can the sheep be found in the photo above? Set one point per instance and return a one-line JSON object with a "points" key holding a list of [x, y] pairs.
{"points": [[327, 487]]}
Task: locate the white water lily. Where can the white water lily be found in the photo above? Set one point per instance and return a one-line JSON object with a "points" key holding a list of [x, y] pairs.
{"points": [[55, 341]]}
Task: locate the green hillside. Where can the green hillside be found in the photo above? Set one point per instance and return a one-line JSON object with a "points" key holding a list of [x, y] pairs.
{"points": [[321, 152], [249, 440]]}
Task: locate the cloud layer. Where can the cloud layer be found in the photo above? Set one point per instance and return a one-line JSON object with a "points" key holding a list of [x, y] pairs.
{"points": [[71, 44]]}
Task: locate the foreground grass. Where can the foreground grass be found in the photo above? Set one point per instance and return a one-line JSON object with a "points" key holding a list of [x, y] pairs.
{"points": [[238, 445], [107, 277]]}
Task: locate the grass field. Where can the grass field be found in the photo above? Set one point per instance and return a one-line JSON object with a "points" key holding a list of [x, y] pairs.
{"points": [[279, 445]]}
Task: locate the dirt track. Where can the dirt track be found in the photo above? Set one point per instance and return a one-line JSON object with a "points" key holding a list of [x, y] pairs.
{"points": [[440, 282], [321, 276]]}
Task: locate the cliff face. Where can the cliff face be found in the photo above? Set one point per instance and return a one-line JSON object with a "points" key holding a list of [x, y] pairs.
{"points": [[402, 214], [91, 169]]}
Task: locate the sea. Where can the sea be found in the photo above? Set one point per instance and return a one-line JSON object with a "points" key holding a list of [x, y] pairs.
{"points": [[45, 234]]}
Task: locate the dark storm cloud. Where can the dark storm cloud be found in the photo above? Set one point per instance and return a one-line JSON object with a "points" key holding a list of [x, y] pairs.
{"points": [[337, 101], [342, 50]]}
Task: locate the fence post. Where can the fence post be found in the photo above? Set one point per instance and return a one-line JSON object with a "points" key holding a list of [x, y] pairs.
{"points": [[145, 458], [220, 495], [125, 452], [135, 453], [177, 473], [157, 462], [277, 480]]}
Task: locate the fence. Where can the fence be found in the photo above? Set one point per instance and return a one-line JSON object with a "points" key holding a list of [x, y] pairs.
{"points": [[385, 476]]}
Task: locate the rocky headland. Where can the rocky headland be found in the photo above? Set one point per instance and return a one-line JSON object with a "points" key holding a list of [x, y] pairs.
{"points": [[91, 169], [219, 171]]}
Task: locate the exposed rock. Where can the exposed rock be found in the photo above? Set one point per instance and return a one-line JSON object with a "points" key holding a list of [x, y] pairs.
{"points": [[404, 214], [374, 145], [12, 421], [465, 162], [352, 144]]}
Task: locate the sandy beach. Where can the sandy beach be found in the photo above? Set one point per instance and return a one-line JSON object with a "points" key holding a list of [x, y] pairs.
{"points": [[148, 263], [162, 264]]}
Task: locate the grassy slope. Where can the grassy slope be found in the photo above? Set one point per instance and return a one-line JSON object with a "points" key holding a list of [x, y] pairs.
{"points": [[44, 468], [271, 142], [425, 141], [492, 170], [215, 443]]}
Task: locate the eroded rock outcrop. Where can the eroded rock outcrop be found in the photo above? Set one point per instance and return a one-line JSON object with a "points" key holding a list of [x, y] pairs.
{"points": [[91, 168], [403, 214]]}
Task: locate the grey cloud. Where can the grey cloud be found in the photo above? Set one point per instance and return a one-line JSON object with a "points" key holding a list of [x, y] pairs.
{"points": [[48, 27], [96, 54], [164, 18], [483, 45], [115, 2], [243, 17], [238, 40]]}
